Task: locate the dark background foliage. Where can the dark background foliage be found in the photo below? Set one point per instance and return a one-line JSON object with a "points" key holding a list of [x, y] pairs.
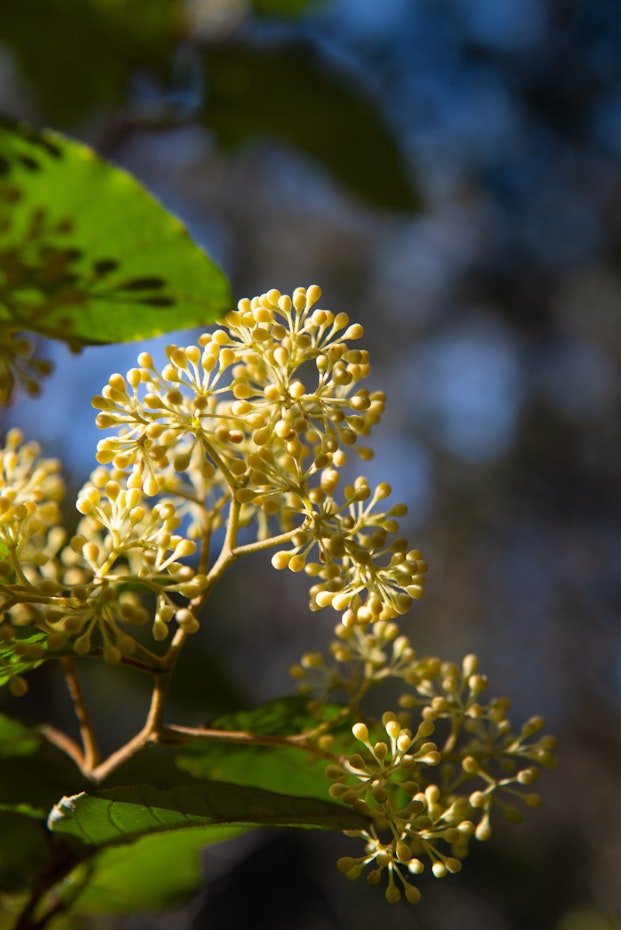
{"points": [[449, 171]]}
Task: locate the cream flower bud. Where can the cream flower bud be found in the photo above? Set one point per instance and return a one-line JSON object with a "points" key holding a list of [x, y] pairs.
{"points": [[313, 294], [281, 559], [361, 732]]}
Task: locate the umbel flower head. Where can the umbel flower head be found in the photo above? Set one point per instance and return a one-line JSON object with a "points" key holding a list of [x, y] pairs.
{"points": [[427, 800], [263, 403]]}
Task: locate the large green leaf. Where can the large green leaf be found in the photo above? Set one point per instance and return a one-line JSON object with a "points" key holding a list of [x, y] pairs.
{"points": [[87, 255], [286, 94], [117, 815], [276, 768], [152, 873]]}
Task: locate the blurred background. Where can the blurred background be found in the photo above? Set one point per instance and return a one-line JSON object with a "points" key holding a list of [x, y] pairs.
{"points": [[449, 171]]}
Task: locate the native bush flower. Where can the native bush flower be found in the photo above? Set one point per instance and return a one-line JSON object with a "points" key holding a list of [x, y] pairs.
{"points": [[218, 407], [388, 781], [357, 554], [249, 429], [418, 816]]}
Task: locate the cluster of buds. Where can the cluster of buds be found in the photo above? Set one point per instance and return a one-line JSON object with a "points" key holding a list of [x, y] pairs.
{"points": [[122, 549], [31, 489], [239, 392], [261, 412], [362, 573], [409, 816], [413, 818], [251, 424]]}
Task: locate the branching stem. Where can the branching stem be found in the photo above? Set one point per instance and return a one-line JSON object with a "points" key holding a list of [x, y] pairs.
{"points": [[90, 750], [180, 734]]}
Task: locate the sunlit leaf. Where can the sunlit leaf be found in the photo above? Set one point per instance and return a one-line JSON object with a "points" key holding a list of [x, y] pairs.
{"points": [[87, 255], [285, 94], [117, 815]]}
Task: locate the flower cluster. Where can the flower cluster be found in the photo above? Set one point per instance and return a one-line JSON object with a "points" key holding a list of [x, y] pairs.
{"points": [[31, 489], [414, 816], [251, 427], [262, 412], [382, 784], [122, 549], [364, 570], [237, 403], [481, 762]]}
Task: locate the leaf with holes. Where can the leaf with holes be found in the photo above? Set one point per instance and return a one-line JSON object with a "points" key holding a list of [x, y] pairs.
{"points": [[87, 255]]}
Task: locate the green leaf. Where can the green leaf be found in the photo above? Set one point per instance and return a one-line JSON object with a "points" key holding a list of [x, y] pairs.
{"points": [[12, 662], [87, 255], [152, 873], [284, 769], [33, 772], [286, 94], [16, 739], [24, 850], [117, 815], [282, 716]]}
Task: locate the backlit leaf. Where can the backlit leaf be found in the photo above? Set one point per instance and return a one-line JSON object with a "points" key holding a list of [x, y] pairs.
{"points": [[87, 255]]}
